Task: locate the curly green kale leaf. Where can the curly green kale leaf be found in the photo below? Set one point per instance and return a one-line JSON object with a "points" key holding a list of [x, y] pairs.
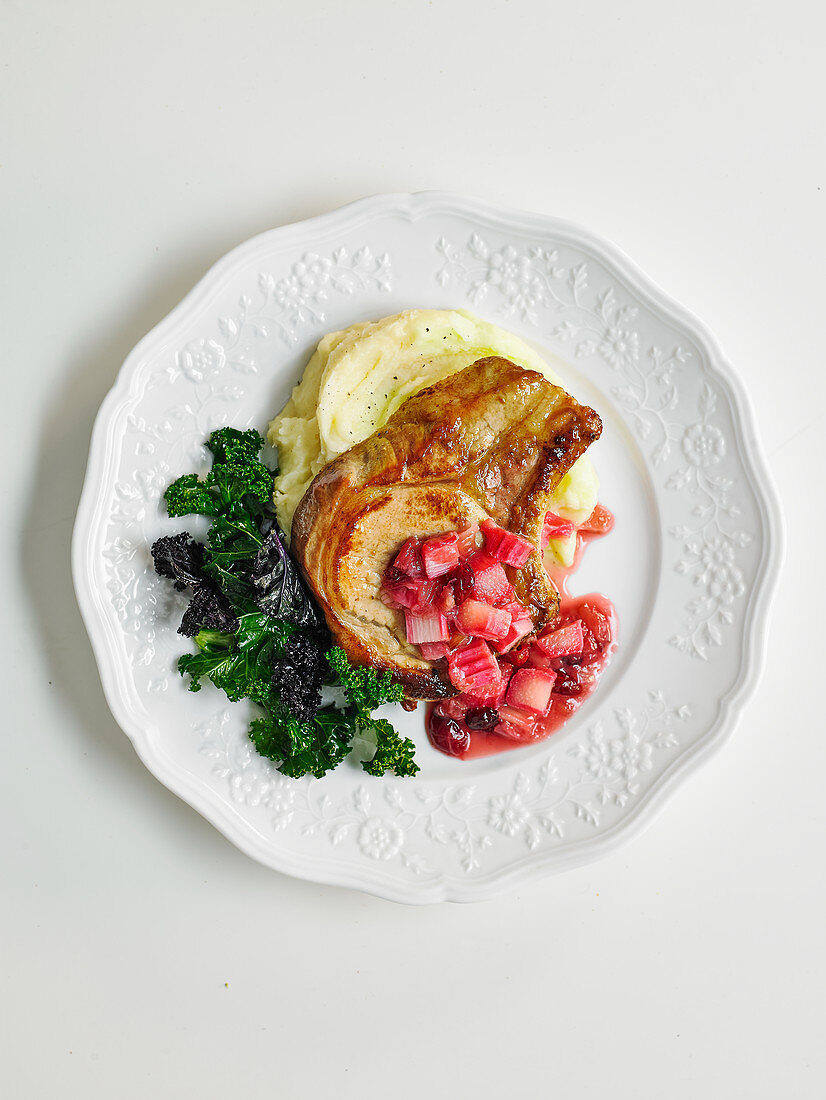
{"points": [[236, 495], [365, 690], [311, 741], [188, 495], [236, 472], [365, 693], [393, 752], [232, 447], [316, 746]]}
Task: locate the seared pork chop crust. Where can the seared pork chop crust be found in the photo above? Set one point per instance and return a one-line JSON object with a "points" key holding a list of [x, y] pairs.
{"points": [[493, 440]]}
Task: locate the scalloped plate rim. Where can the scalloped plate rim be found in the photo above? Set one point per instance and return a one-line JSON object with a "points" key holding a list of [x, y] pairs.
{"points": [[531, 865]]}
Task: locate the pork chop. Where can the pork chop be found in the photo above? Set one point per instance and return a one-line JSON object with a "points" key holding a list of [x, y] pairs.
{"points": [[493, 440]]}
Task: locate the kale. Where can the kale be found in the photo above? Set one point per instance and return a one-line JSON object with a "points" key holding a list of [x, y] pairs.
{"points": [[394, 753], [190, 496], [235, 494], [245, 554], [298, 674], [238, 662], [301, 739], [209, 609], [236, 473], [181, 558], [230, 446], [299, 747], [366, 692], [258, 633], [279, 589]]}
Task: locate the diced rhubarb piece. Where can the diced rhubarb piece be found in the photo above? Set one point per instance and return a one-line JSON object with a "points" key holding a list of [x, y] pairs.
{"points": [[504, 545], [598, 620], [455, 707], [395, 590], [490, 582], [409, 559], [440, 554], [521, 625], [598, 628], [506, 669], [462, 581], [531, 688], [472, 668], [425, 626], [566, 641], [516, 724], [434, 651], [426, 593], [536, 658], [444, 599], [514, 608], [487, 695], [591, 649], [518, 655], [466, 540], [599, 522], [480, 620], [508, 598], [555, 527], [400, 591]]}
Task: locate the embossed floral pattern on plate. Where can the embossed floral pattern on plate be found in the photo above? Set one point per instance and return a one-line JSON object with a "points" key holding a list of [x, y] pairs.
{"points": [[456, 831]]}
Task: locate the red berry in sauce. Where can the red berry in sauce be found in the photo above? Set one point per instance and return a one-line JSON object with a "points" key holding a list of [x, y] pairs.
{"points": [[447, 735], [572, 680], [482, 718]]}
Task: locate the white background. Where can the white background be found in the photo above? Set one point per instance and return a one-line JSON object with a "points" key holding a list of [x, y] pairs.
{"points": [[142, 955]]}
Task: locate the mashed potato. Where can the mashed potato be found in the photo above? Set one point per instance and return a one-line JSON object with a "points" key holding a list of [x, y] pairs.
{"points": [[358, 378]]}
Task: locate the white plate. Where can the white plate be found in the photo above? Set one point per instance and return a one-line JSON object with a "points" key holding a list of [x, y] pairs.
{"points": [[690, 564]]}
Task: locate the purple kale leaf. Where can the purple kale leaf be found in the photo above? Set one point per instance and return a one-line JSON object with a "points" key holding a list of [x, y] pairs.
{"points": [[279, 589], [181, 558], [209, 609], [298, 674]]}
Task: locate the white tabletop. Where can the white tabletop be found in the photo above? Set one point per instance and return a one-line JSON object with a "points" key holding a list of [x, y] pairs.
{"points": [[143, 955]]}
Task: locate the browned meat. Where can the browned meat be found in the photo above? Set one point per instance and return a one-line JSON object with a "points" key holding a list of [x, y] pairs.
{"points": [[493, 440]]}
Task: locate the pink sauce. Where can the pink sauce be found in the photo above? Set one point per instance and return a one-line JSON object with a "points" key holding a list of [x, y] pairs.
{"points": [[577, 678]]}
